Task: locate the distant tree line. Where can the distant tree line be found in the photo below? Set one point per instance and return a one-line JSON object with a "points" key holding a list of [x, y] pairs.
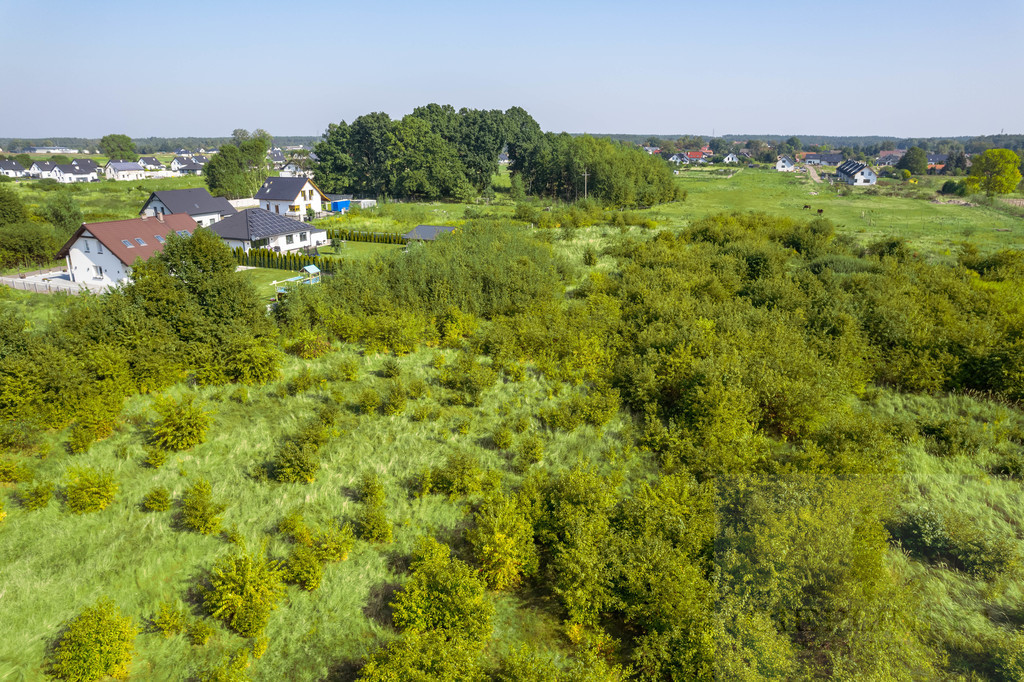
{"points": [[145, 145]]}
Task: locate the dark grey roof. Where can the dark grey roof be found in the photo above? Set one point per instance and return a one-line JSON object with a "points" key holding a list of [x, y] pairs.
{"points": [[428, 233], [276, 155], [196, 201], [938, 158], [125, 165], [181, 159], [45, 165], [87, 164], [339, 197], [200, 159], [281, 189], [10, 165], [72, 169], [851, 167], [190, 166], [150, 161], [257, 223]]}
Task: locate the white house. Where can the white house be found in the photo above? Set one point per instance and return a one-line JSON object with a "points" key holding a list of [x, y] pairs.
{"points": [[86, 164], [124, 170], [190, 168], [103, 253], [196, 203], [856, 173], [258, 228], [151, 163], [785, 164], [42, 169], [291, 197], [69, 173], [731, 158], [296, 169], [11, 169]]}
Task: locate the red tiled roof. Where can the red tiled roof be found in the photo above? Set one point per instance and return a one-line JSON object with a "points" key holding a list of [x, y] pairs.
{"points": [[111, 233], [694, 155]]}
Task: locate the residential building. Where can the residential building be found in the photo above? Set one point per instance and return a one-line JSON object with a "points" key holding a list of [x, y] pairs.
{"points": [[124, 170], [856, 173], [785, 164], [428, 233], [694, 157], [86, 164], [11, 169], [197, 203], [824, 159], [731, 158], [503, 159], [69, 173], [276, 157], [42, 169], [292, 197], [296, 169], [677, 158], [890, 157], [180, 161], [103, 253], [151, 163], [258, 228], [190, 168]]}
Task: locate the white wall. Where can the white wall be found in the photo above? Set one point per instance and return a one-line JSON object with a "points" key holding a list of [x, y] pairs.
{"points": [[313, 238], [284, 207], [202, 219], [81, 265]]}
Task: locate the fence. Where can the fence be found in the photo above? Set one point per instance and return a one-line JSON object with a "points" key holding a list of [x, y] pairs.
{"points": [[48, 287]]}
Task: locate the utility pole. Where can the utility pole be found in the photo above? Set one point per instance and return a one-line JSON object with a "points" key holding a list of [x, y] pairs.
{"points": [[585, 176]]}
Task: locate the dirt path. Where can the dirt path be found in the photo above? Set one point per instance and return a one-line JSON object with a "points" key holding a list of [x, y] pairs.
{"points": [[813, 173]]}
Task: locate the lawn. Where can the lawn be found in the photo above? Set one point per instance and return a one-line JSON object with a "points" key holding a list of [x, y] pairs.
{"points": [[359, 250], [263, 279]]}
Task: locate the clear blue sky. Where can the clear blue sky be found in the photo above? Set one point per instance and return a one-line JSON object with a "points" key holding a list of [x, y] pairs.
{"points": [[904, 68]]}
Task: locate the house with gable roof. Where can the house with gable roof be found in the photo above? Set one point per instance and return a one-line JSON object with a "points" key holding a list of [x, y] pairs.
{"points": [[151, 163], [86, 164], [258, 228], [11, 169], [68, 173], [124, 170], [856, 173], [292, 197], [785, 164], [197, 202], [41, 169], [103, 253]]}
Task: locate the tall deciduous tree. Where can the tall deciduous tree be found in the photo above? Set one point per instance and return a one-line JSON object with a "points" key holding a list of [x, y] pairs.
{"points": [[63, 211], [118, 147], [11, 208], [996, 171], [915, 161], [239, 171]]}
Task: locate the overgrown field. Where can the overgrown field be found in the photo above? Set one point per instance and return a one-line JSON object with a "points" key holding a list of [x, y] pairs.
{"points": [[744, 446]]}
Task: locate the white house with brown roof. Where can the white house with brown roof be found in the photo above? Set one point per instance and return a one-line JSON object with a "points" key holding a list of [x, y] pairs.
{"points": [[103, 253], [291, 197]]}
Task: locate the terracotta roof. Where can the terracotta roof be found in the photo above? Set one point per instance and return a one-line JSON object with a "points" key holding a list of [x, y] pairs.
{"points": [[695, 155], [112, 233]]}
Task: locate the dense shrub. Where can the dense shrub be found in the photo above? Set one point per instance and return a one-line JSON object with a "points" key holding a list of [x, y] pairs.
{"points": [[502, 542], [157, 500], [392, 368], [461, 475], [373, 525], [309, 345], [394, 398], [423, 656], [199, 632], [347, 369], [36, 496], [444, 595], [199, 512], [333, 543], [369, 401], [183, 424], [14, 471], [296, 464], [244, 588], [951, 538], [170, 620], [88, 490], [98, 643], [304, 568]]}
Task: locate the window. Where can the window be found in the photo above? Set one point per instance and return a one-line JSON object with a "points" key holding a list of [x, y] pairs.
{"points": [[302, 236], [277, 208], [260, 243], [289, 239], [138, 240], [99, 246], [86, 242], [128, 243], [183, 233], [98, 272], [294, 208], [158, 238]]}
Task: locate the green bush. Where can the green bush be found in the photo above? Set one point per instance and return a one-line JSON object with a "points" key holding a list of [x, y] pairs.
{"points": [[394, 398], [951, 538], [461, 475], [199, 632], [531, 449], [294, 527], [199, 512], [303, 567], [370, 489], [157, 500], [444, 595], [244, 588], [333, 543], [304, 381], [14, 471], [309, 345], [589, 256], [98, 643], [169, 620], [230, 668], [424, 657], [369, 401], [156, 457], [502, 438], [88, 490], [183, 424], [502, 542], [348, 369], [295, 464], [526, 664], [373, 525], [392, 368], [36, 496], [424, 412], [418, 389]]}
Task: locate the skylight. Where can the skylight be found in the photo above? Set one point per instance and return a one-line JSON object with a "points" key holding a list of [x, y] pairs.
{"points": [[183, 233], [128, 243], [159, 238], [139, 241]]}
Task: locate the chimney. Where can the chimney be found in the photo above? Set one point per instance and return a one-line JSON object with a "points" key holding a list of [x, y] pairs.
{"points": [[144, 216], [160, 217]]}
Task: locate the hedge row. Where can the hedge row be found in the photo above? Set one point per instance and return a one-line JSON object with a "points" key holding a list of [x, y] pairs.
{"points": [[264, 258], [364, 236]]}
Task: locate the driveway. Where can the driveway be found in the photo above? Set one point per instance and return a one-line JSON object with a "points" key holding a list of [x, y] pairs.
{"points": [[813, 173]]}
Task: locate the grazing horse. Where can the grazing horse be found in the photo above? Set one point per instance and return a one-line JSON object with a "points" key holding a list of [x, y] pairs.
{"points": [[820, 211], [806, 206]]}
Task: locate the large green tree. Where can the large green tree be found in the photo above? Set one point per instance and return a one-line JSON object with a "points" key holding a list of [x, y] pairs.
{"points": [[11, 208], [118, 147], [63, 211], [915, 161], [334, 168], [239, 171], [996, 171]]}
